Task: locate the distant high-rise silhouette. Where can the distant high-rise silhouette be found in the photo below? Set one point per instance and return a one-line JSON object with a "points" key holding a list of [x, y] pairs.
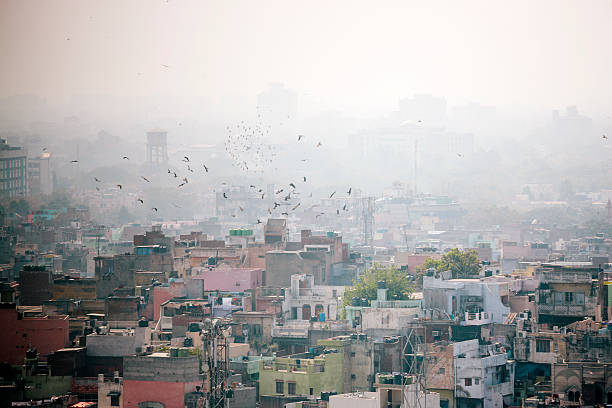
{"points": [[157, 147]]}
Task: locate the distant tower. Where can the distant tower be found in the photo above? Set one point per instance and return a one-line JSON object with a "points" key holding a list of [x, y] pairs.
{"points": [[367, 214], [609, 211], [157, 147]]}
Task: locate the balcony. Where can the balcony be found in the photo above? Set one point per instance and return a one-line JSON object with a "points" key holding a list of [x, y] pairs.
{"points": [[564, 309]]}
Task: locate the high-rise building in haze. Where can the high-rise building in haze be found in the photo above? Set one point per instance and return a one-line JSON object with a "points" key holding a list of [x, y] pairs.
{"points": [[13, 171], [157, 147]]}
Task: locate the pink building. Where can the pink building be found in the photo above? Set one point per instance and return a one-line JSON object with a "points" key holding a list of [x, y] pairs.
{"points": [[46, 333], [160, 380], [226, 279], [163, 293]]}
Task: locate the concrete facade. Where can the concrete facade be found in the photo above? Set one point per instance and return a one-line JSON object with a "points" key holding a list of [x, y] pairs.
{"points": [[304, 300]]}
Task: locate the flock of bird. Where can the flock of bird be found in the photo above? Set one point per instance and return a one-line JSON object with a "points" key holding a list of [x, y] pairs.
{"points": [[245, 146]]}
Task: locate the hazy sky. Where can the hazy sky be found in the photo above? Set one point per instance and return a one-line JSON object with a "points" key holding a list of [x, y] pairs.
{"points": [[542, 54]]}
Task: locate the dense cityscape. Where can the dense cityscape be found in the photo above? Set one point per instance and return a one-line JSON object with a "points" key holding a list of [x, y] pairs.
{"points": [[264, 248]]}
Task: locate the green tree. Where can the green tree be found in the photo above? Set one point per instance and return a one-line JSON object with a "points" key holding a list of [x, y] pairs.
{"points": [[365, 286], [460, 263]]}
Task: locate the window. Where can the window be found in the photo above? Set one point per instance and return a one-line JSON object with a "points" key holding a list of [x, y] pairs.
{"points": [[543, 346], [291, 388], [280, 387], [441, 370], [114, 399], [569, 297], [580, 298], [468, 382], [311, 391], [476, 381], [352, 354]]}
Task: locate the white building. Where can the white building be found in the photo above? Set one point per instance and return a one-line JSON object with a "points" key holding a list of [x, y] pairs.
{"points": [[304, 299], [482, 373], [473, 301]]}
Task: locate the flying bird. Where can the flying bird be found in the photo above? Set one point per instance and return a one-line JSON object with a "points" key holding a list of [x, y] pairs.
{"points": [[319, 144], [98, 188], [224, 195], [332, 194], [300, 137], [241, 209], [154, 208], [278, 191], [292, 185], [189, 168], [181, 185], [304, 179], [459, 155], [252, 186], [258, 221], [140, 200], [349, 190], [120, 186], [186, 158], [295, 206], [337, 212], [97, 179], [74, 161], [125, 158], [165, 66], [344, 207], [287, 214], [145, 179], [604, 136], [205, 168], [185, 180]]}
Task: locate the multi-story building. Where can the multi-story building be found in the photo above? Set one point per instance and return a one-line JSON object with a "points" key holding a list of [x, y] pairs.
{"points": [[473, 301], [161, 380], [305, 300], [13, 171], [40, 180], [484, 376], [566, 292], [303, 374]]}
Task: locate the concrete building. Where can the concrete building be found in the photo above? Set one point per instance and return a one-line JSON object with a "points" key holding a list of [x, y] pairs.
{"points": [[484, 376], [13, 171], [312, 260], [254, 328], [275, 231], [403, 391], [40, 178], [305, 300], [566, 293], [226, 279], [582, 384], [161, 380], [382, 314], [110, 391], [472, 301], [45, 333], [157, 147], [358, 357], [302, 374], [355, 400]]}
